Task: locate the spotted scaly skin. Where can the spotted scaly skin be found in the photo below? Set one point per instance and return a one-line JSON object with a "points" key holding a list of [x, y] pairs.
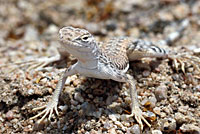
{"points": [[107, 61]]}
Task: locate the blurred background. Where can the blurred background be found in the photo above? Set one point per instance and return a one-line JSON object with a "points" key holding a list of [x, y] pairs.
{"points": [[35, 23]]}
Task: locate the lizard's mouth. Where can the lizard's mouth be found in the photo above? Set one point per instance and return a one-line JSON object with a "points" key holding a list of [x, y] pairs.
{"points": [[66, 42]]}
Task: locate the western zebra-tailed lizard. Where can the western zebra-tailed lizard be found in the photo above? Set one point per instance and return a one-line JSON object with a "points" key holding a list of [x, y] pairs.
{"points": [[108, 61]]}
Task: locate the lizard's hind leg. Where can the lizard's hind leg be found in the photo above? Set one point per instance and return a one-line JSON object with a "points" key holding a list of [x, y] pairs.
{"points": [[39, 64], [36, 64]]}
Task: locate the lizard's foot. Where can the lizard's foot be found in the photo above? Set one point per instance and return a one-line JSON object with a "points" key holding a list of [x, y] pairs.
{"points": [[36, 64], [139, 117], [48, 110], [180, 61], [39, 64]]}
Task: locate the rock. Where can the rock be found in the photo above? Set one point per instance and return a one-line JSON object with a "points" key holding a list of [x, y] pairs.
{"points": [[63, 108], [113, 117], [98, 113], [88, 109], [169, 124], [119, 124], [31, 34], [112, 131], [153, 101], [181, 11], [157, 110], [146, 73], [107, 125], [162, 114], [52, 29], [74, 102], [30, 91], [190, 128], [167, 110], [135, 129], [76, 82], [78, 97], [111, 25], [150, 115], [183, 109], [156, 132], [180, 118], [9, 115], [161, 93]]}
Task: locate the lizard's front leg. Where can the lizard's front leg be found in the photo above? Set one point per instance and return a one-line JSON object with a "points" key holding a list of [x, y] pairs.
{"points": [[136, 111], [52, 105]]}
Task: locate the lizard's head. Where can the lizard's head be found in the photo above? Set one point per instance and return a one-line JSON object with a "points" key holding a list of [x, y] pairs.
{"points": [[76, 39]]}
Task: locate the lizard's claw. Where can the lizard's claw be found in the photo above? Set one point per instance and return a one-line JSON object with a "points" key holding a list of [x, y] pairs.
{"points": [[32, 64], [177, 62], [180, 61], [139, 117], [37, 64], [48, 110]]}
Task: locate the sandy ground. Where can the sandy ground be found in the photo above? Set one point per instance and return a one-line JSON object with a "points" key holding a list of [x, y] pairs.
{"points": [[170, 98]]}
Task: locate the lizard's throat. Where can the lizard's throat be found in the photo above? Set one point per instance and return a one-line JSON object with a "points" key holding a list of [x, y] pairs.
{"points": [[84, 54]]}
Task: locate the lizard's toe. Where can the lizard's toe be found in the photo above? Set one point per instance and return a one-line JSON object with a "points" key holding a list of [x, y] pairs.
{"points": [[177, 63], [48, 110], [137, 113]]}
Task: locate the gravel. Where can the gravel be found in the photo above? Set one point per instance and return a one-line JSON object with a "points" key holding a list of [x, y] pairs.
{"points": [[169, 97]]}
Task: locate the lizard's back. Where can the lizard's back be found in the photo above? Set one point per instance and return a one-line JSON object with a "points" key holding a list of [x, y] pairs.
{"points": [[119, 51]]}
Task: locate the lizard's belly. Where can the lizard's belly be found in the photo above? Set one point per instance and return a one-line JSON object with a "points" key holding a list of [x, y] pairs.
{"points": [[94, 73]]}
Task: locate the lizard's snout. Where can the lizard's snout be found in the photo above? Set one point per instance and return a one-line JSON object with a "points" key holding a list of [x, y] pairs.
{"points": [[65, 33]]}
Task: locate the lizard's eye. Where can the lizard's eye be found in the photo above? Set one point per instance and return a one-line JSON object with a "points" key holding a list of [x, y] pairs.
{"points": [[85, 37]]}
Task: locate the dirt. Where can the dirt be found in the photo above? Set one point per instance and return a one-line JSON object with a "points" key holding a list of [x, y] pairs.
{"points": [[169, 95]]}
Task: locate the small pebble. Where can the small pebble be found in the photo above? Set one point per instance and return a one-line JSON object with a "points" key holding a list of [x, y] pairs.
{"points": [[183, 109], [9, 115], [52, 29], [30, 91], [153, 101], [63, 108], [107, 125], [161, 93], [113, 117], [88, 109], [150, 115], [98, 114], [170, 124], [73, 102], [76, 82], [135, 129], [156, 132], [111, 25], [190, 128], [162, 114], [157, 110], [119, 124], [112, 131], [78, 97], [146, 73], [181, 11]]}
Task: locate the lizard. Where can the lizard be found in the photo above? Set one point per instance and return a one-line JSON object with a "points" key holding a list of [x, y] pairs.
{"points": [[110, 60]]}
